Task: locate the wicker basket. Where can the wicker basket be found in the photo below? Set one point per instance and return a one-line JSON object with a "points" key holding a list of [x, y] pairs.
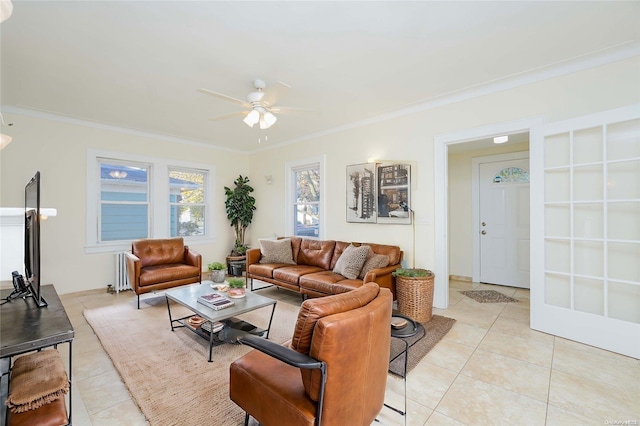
{"points": [[415, 296]]}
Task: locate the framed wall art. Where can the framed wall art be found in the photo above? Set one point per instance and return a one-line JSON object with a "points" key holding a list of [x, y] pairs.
{"points": [[394, 193], [361, 193]]}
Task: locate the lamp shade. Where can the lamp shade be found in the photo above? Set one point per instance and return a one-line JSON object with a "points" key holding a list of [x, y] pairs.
{"points": [[6, 8], [267, 120], [252, 118], [4, 140]]}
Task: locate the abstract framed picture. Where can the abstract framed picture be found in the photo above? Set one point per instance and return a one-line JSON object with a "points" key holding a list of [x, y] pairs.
{"points": [[394, 193], [361, 193]]}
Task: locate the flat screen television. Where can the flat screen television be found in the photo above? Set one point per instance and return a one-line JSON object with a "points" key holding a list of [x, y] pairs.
{"points": [[32, 238]]}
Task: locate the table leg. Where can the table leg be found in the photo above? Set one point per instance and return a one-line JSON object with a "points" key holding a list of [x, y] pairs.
{"points": [[70, 381], [271, 319], [169, 310], [404, 379], [211, 344]]}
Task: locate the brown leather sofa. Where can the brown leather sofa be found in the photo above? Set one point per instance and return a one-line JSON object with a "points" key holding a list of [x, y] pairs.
{"points": [[333, 372], [312, 274], [158, 264]]}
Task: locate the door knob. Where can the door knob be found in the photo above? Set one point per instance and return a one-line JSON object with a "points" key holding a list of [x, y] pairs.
{"points": [[484, 232]]}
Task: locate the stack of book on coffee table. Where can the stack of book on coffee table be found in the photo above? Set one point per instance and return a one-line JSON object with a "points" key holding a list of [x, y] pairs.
{"points": [[215, 301]]}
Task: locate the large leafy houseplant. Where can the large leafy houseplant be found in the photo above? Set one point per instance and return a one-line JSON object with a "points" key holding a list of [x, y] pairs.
{"points": [[240, 206]]}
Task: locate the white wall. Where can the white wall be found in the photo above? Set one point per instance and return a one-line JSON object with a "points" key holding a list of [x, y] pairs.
{"points": [[58, 150], [410, 138]]}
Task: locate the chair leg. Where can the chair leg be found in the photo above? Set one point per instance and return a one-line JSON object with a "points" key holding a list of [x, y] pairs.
{"points": [[138, 301], [246, 419]]}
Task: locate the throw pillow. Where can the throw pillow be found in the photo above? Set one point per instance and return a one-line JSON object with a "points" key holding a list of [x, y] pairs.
{"points": [[373, 261], [351, 260], [276, 251]]}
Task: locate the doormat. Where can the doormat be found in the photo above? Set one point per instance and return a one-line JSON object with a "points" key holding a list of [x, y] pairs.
{"points": [[488, 296]]}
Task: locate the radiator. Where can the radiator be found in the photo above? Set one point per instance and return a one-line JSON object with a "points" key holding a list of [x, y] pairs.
{"points": [[122, 280]]}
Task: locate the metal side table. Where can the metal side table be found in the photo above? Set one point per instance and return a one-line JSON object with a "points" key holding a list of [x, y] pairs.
{"points": [[402, 333]]}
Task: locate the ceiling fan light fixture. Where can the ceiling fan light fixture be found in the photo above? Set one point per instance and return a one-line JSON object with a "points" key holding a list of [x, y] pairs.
{"points": [[267, 120], [5, 140], [6, 9], [252, 118]]}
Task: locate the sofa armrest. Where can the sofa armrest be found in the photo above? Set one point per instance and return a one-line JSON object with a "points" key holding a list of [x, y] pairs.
{"points": [[253, 256], [373, 274], [133, 269], [383, 277], [193, 258]]}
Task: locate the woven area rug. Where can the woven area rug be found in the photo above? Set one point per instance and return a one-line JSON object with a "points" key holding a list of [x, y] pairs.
{"points": [[488, 296], [419, 345], [167, 372]]}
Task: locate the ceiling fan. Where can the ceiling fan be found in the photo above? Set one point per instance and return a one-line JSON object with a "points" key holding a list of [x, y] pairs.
{"points": [[260, 110]]}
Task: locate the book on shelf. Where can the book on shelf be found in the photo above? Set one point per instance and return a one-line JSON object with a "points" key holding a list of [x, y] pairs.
{"points": [[215, 301], [213, 327]]}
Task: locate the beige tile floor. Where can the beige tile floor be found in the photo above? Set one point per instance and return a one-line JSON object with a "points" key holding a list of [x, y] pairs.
{"points": [[491, 368]]}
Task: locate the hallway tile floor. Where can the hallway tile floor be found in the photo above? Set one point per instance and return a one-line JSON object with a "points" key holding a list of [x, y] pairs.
{"points": [[491, 368]]}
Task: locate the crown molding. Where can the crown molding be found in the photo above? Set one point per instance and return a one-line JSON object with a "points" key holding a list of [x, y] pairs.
{"points": [[584, 62], [67, 119]]}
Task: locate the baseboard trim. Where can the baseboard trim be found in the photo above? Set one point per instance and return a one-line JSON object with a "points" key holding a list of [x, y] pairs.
{"points": [[459, 278]]}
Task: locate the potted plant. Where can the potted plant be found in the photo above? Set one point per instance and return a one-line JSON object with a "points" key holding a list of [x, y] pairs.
{"points": [[414, 291], [236, 287], [239, 206], [218, 271]]}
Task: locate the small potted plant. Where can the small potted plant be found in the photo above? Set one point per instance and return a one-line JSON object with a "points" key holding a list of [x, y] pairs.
{"points": [[236, 288], [414, 291], [218, 271]]}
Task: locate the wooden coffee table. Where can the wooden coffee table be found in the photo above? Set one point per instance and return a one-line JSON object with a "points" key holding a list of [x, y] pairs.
{"points": [[234, 328]]}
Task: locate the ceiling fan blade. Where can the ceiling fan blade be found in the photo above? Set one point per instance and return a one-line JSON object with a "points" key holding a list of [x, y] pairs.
{"points": [[225, 97], [275, 92], [226, 116], [286, 109]]}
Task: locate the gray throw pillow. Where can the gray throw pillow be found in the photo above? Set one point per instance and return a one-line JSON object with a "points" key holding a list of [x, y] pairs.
{"points": [[351, 260], [276, 251], [374, 261]]}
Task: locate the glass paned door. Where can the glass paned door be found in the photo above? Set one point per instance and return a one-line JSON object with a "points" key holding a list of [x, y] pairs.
{"points": [[588, 231]]}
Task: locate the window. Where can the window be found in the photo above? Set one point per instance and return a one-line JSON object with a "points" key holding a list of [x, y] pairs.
{"points": [[131, 197], [187, 202], [124, 201], [304, 194]]}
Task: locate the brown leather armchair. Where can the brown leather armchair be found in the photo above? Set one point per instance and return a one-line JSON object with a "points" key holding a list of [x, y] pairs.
{"points": [[158, 264], [332, 372]]}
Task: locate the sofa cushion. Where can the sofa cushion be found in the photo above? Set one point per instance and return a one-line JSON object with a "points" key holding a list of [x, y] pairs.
{"points": [[292, 274], [166, 273], [374, 261], [264, 270], [316, 253], [159, 251], [351, 260], [276, 251], [328, 282], [313, 310]]}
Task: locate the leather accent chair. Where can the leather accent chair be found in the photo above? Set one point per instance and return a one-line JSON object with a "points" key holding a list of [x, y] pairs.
{"points": [[158, 264], [333, 371]]}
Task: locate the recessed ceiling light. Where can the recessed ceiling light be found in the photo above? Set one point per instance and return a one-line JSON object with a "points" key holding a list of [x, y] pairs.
{"points": [[500, 139]]}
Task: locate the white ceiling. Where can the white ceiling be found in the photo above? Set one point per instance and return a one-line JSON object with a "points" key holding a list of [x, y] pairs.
{"points": [[137, 64]]}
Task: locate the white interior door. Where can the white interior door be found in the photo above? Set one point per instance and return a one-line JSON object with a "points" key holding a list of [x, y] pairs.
{"points": [[504, 222], [586, 230]]}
